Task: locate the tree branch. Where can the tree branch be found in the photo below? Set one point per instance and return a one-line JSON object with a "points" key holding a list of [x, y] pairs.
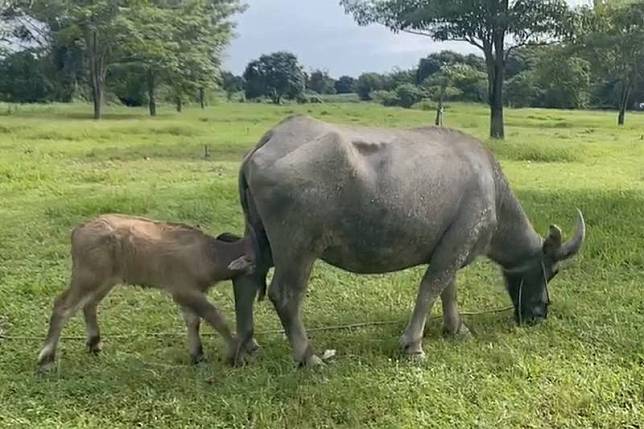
{"points": [[524, 44], [469, 40]]}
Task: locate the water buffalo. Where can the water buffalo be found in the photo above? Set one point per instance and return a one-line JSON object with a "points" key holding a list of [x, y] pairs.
{"points": [[374, 200], [183, 261]]}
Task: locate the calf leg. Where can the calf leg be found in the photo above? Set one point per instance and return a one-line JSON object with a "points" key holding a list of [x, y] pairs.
{"points": [[194, 340], [65, 305], [286, 292], [91, 323], [197, 302]]}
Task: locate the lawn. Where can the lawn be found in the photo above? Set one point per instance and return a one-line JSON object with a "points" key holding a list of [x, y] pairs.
{"points": [[582, 368]]}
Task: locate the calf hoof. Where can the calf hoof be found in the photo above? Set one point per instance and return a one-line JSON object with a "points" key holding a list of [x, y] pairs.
{"points": [[94, 345]]}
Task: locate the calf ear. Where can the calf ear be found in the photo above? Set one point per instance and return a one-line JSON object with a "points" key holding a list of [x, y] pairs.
{"points": [[242, 264], [552, 243]]}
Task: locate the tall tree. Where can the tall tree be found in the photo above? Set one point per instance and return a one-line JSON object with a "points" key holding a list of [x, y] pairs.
{"points": [[180, 44], [99, 27], [368, 83], [613, 39], [320, 82], [276, 76], [494, 26], [344, 84], [231, 84]]}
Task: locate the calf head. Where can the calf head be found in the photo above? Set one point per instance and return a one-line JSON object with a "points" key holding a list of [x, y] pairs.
{"points": [[528, 283]]}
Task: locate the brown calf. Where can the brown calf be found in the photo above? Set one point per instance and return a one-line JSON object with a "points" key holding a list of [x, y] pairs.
{"points": [[117, 249]]}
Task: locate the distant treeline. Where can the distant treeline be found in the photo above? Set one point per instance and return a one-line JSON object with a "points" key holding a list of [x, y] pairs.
{"points": [[536, 77], [137, 53]]}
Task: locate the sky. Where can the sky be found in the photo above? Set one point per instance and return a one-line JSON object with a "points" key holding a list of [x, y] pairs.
{"points": [[323, 37]]}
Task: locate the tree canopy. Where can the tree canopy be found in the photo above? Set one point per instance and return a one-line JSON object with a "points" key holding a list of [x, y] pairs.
{"points": [[278, 75], [496, 27]]}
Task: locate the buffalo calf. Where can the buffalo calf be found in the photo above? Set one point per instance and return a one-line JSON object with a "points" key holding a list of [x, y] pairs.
{"points": [[181, 260]]}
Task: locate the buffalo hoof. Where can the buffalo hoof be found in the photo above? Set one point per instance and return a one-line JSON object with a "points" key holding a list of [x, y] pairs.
{"points": [[197, 359], [45, 366], [462, 333], [411, 347], [253, 348], [245, 354], [416, 357], [313, 361], [94, 345]]}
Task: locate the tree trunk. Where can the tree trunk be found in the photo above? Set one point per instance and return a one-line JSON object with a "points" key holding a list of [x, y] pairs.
{"points": [[495, 74], [97, 95], [152, 103], [202, 98], [623, 103], [439, 112], [494, 51], [179, 104], [97, 72]]}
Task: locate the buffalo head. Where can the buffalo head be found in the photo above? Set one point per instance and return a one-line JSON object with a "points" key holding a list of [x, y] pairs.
{"points": [[528, 283]]}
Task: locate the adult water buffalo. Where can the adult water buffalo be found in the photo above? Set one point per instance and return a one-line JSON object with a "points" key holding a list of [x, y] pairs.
{"points": [[372, 200]]}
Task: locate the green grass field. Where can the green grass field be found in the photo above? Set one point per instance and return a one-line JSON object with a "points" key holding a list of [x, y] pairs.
{"points": [[582, 368]]}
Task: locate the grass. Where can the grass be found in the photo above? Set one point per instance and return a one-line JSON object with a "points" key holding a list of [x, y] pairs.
{"points": [[582, 368]]}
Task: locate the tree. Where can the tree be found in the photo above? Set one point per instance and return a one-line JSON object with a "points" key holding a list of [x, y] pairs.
{"points": [[486, 24], [367, 83], [278, 75], [563, 80], [447, 83], [231, 84], [522, 89], [408, 94], [320, 82], [399, 77], [613, 38], [23, 78], [344, 85], [187, 57], [98, 27]]}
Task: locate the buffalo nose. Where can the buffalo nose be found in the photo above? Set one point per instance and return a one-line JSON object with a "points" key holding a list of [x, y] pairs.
{"points": [[538, 314]]}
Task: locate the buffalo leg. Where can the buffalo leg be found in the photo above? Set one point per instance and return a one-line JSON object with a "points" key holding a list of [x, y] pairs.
{"points": [[245, 290], [431, 287], [194, 340], [452, 321], [286, 293], [454, 249]]}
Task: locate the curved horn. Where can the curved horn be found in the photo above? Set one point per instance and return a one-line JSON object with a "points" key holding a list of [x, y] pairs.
{"points": [[572, 246]]}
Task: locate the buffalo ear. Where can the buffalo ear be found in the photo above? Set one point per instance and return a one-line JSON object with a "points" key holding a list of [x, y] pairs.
{"points": [[552, 244]]}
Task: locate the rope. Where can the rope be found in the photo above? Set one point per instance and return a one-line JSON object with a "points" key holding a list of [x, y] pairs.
{"points": [[266, 332]]}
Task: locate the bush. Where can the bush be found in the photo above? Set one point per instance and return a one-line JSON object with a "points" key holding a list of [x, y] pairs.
{"points": [[408, 94]]}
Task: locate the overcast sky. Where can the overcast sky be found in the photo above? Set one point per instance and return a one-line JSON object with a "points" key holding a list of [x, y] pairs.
{"points": [[323, 37]]}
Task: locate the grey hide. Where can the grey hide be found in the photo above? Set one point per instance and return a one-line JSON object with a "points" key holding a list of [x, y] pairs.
{"points": [[372, 200]]}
